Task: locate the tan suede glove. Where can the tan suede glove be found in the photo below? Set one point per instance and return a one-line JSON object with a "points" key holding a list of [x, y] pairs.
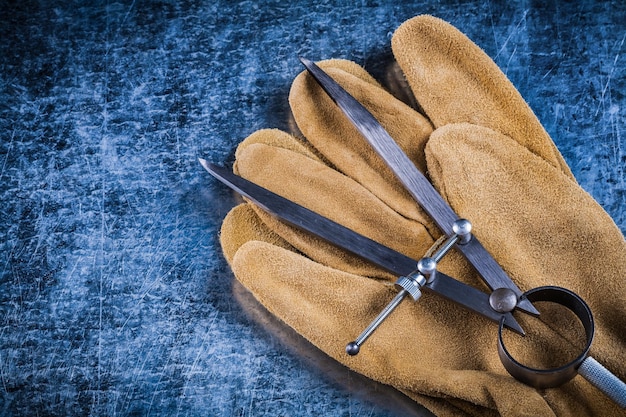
{"points": [[490, 158]]}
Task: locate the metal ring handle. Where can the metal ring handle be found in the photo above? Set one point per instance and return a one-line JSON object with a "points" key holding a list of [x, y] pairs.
{"points": [[552, 377], [585, 365]]}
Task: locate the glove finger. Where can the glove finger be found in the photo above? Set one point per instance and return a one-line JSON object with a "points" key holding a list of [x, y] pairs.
{"points": [[428, 339], [304, 179], [279, 139], [454, 81], [242, 225], [332, 134], [537, 223]]}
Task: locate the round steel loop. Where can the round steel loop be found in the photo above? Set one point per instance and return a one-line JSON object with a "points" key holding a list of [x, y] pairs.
{"points": [[551, 377]]}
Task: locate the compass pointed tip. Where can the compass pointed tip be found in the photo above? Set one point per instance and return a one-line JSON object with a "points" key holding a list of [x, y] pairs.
{"points": [[525, 305], [512, 324]]}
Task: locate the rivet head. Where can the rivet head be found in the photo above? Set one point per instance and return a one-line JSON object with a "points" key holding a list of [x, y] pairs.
{"points": [[463, 228], [427, 266], [503, 300]]}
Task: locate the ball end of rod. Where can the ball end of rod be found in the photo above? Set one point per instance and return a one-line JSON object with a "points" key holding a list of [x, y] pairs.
{"points": [[352, 348]]}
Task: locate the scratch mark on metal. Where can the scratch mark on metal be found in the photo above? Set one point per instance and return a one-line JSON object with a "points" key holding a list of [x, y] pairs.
{"points": [[607, 85], [513, 32]]}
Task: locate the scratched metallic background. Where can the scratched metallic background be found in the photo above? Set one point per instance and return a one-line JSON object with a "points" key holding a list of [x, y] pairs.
{"points": [[114, 296]]}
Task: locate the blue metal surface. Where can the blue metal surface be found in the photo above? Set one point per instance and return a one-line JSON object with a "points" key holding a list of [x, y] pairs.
{"points": [[114, 296]]}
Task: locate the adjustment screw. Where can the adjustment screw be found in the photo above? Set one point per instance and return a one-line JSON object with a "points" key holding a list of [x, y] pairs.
{"points": [[411, 284]]}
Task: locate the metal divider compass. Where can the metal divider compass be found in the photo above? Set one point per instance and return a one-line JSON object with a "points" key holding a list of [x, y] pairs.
{"points": [[422, 275]]}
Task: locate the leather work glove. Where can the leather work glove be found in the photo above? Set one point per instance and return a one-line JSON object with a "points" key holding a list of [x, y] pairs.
{"points": [[490, 158]]}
